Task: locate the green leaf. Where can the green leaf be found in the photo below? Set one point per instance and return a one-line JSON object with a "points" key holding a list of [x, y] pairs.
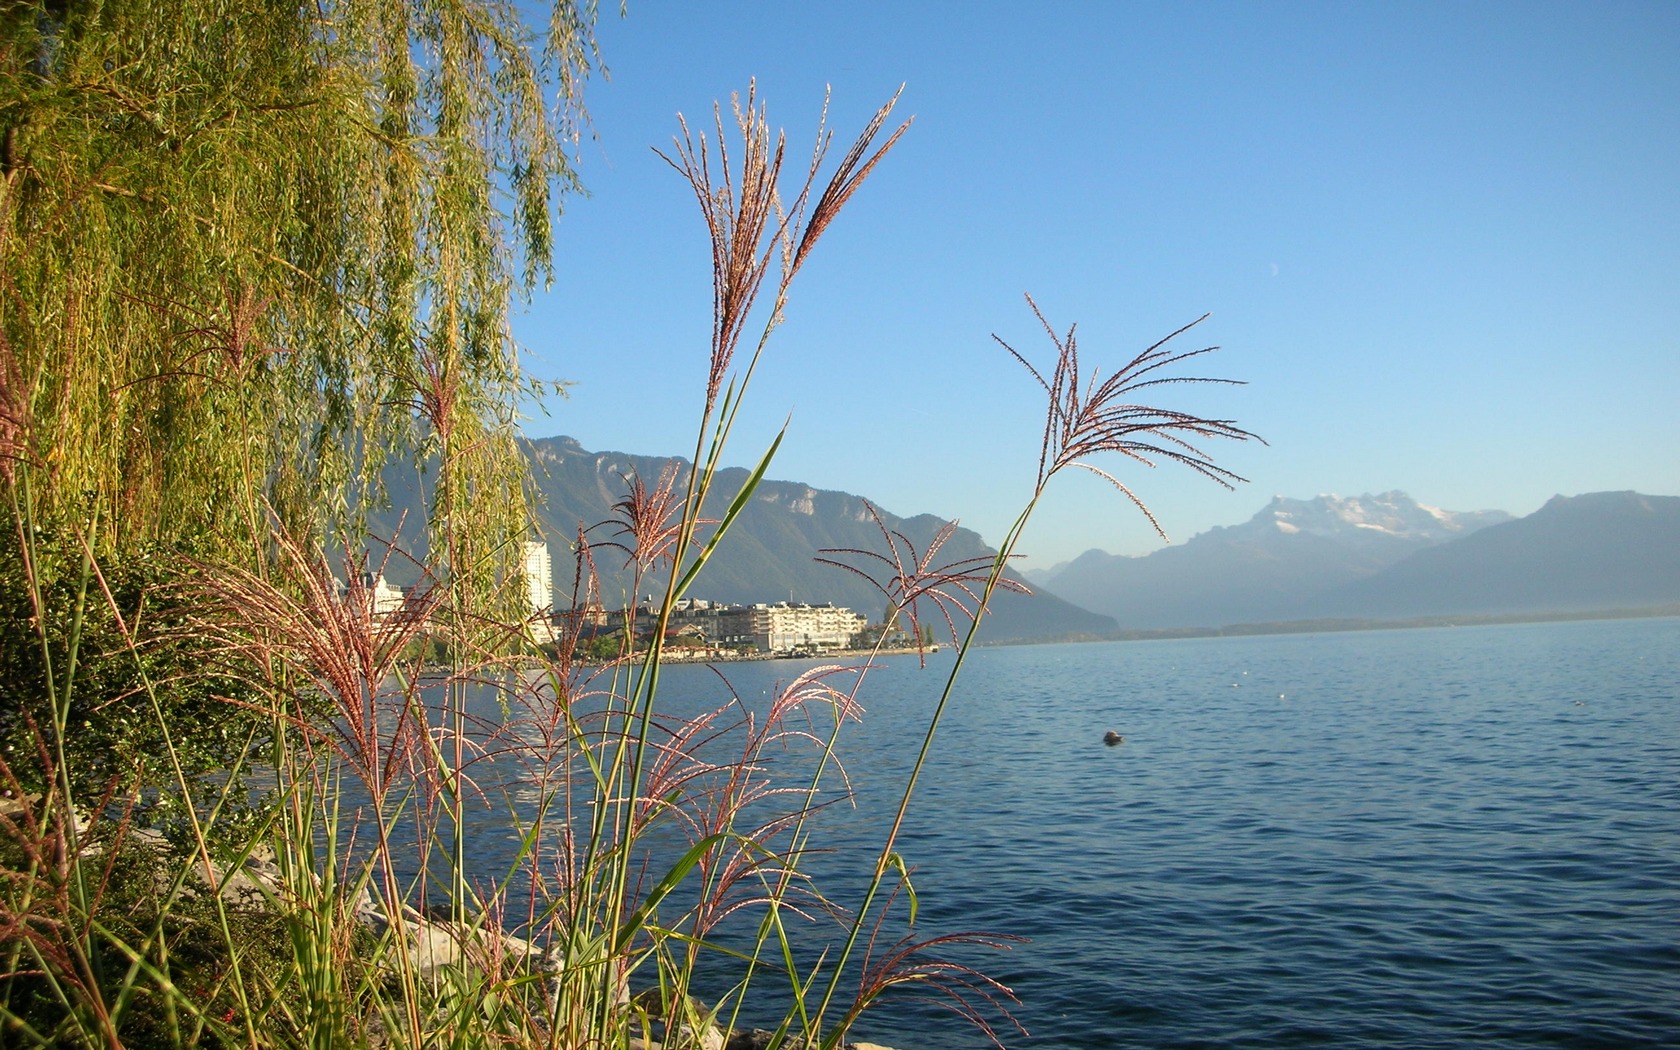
{"points": [[736, 506], [685, 864], [895, 861]]}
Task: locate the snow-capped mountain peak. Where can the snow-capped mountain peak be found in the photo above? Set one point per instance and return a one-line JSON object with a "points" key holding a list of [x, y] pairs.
{"points": [[1393, 515]]}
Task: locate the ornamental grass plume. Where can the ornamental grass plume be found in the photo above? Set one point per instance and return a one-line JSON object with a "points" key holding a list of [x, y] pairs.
{"points": [[728, 808], [914, 578], [228, 333], [1097, 417], [915, 967], [648, 520], [748, 222], [303, 626]]}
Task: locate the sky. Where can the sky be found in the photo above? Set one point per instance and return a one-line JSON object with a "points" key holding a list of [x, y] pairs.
{"points": [[1438, 242]]}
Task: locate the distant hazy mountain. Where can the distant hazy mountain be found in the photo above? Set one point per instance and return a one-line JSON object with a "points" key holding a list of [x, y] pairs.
{"points": [[1604, 550], [1271, 567], [769, 554]]}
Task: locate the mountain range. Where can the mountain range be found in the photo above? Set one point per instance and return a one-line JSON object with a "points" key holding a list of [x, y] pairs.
{"points": [[1389, 557], [1382, 556], [1268, 568], [1599, 551], [771, 551]]}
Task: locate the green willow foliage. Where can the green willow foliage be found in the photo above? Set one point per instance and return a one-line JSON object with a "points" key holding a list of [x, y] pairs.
{"points": [[249, 250]]}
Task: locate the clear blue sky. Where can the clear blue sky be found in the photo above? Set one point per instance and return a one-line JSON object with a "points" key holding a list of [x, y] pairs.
{"points": [[1440, 242]]}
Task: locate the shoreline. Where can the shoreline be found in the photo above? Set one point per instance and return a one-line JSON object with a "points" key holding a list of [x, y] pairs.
{"points": [[1237, 630], [1339, 625]]}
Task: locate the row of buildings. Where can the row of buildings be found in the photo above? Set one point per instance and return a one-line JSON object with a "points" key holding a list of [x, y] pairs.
{"points": [[778, 627]]}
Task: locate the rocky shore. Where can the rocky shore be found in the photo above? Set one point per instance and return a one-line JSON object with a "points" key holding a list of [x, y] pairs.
{"points": [[438, 945], [435, 944]]}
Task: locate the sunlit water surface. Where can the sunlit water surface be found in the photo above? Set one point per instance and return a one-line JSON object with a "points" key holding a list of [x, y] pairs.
{"points": [[1422, 838]]}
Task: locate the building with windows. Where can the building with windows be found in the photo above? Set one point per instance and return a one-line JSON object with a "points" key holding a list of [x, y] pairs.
{"points": [[782, 627], [537, 572], [786, 626], [539, 578], [381, 597]]}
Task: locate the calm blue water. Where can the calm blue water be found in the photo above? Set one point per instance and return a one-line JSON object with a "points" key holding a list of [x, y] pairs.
{"points": [[1423, 838]]}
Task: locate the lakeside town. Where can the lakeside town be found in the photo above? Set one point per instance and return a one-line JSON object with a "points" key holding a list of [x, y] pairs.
{"points": [[698, 629]]}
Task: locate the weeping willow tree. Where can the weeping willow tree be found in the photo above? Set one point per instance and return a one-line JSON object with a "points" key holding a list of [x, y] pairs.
{"points": [[252, 249]]}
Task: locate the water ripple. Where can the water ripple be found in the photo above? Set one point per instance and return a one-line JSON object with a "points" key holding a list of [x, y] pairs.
{"points": [[1427, 838]]}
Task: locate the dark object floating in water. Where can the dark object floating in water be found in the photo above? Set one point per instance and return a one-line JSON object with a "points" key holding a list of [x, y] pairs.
{"points": [[1111, 738]]}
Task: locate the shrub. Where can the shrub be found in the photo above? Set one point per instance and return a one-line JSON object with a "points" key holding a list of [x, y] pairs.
{"points": [[97, 658]]}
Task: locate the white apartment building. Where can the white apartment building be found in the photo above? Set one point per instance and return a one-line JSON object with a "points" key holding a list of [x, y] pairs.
{"points": [[790, 625], [383, 599], [539, 577]]}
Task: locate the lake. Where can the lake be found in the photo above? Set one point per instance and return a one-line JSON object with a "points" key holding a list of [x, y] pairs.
{"points": [[1418, 838]]}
